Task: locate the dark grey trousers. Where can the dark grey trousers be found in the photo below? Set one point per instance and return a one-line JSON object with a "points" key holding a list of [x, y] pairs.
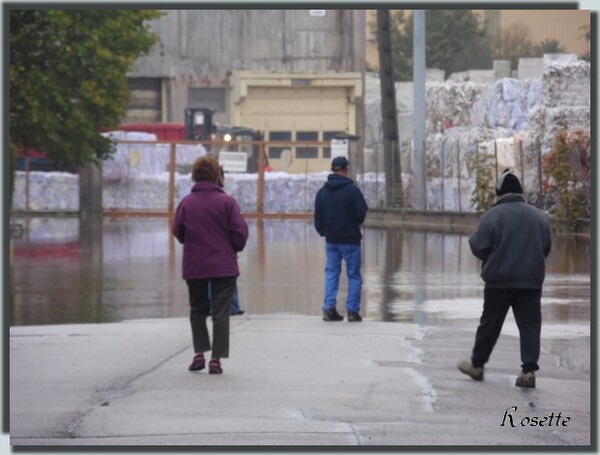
{"points": [[526, 306], [200, 307]]}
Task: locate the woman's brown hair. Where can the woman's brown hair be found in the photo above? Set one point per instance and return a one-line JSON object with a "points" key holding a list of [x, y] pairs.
{"points": [[206, 169]]}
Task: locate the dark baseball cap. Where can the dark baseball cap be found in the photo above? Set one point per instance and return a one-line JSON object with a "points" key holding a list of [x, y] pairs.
{"points": [[339, 163]]}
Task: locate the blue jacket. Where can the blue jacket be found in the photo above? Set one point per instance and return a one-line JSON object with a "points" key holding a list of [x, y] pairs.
{"points": [[513, 240], [340, 209]]}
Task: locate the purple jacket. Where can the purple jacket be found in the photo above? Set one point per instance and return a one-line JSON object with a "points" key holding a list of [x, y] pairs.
{"points": [[209, 224]]}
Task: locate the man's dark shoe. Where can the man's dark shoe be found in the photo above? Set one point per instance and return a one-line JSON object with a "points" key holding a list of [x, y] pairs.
{"points": [[466, 367], [354, 316], [526, 379], [332, 315], [238, 313]]}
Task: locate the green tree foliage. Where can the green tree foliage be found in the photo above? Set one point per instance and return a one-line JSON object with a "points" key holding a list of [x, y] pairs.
{"points": [[568, 163], [481, 165], [455, 41], [548, 46], [68, 78], [513, 43]]}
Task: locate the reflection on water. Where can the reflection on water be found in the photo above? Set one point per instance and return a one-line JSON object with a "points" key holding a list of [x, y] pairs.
{"points": [[63, 272]]}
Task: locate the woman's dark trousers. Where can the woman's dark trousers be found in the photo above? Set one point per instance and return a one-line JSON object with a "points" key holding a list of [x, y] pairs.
{"points": [[200, 308], [526, 306]]}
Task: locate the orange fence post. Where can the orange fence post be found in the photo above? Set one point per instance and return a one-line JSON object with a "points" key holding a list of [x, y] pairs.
{"points": [[172, 182], [260, 192]]}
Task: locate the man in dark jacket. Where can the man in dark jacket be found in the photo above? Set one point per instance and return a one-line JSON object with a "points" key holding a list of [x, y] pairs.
{"points": [[340, 209], [513, 240]]}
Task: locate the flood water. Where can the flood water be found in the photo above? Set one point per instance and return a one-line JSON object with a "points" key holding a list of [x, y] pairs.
{"points": [[63, 272]]}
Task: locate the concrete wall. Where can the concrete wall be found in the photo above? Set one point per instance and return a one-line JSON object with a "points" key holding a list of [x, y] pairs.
{"points": [[531, 68]]}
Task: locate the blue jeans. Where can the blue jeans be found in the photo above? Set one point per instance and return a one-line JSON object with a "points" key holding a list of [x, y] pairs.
{"points": [[235, 303], [333, 268], [235, 300]]}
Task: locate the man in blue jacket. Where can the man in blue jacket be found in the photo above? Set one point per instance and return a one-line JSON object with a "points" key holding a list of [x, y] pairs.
{"points": [[340, 209], [513, 240]]}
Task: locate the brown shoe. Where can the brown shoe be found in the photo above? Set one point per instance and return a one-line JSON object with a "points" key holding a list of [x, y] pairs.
{"points": [[474, 372], [526, 379]]}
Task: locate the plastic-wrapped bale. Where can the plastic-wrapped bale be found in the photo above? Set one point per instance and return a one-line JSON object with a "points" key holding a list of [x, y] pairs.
{"points": [[183, 187], [243, 188], [567, 84], [48, 191], [142, 159], [146, 158], [456, 146], [435, 196], [65, 196], [372, 185], [450, 101], [287, 193], [118, 166], [138, 193], [115, 194], [185, 155], [445, 195], [506, 103], [313, 184], [19, 195], [150, 192]]}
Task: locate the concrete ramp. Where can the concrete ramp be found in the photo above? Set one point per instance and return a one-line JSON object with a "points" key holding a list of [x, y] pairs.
{"points": [[290, 381]]}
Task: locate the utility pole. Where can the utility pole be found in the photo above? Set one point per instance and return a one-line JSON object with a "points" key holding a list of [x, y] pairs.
{"points": [[419, 76], [389, 118]]}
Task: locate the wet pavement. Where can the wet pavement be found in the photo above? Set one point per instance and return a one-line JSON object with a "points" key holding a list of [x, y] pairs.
{"points": [[422, 287], [291, 380], [130, 268]]}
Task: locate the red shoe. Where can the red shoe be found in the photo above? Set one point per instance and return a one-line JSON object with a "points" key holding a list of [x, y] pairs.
{"points": [[214, 367], [198, 363]]}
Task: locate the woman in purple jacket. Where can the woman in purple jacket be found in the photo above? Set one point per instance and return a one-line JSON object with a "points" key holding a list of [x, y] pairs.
{"points": [[209, 224]]}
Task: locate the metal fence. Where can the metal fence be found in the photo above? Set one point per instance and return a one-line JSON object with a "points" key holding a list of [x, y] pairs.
{"points": [[141, 187], [451, 172]]}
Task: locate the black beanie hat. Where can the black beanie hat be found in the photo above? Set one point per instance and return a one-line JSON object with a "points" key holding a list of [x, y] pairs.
{"points": [[508, 182]]}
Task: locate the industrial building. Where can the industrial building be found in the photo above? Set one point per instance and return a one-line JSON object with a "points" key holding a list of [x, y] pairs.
{"points": [[295, 75]]}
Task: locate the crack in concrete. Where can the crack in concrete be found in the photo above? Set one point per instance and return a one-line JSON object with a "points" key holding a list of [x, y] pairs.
{"points": [[105, 396]]}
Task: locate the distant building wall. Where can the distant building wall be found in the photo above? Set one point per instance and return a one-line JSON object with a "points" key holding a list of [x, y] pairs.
{"points": [[199, 49], [566, 26], [562, 25]]}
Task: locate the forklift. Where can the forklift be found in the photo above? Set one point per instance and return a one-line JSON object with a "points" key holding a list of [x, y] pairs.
{"points": [[200, 126]]}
